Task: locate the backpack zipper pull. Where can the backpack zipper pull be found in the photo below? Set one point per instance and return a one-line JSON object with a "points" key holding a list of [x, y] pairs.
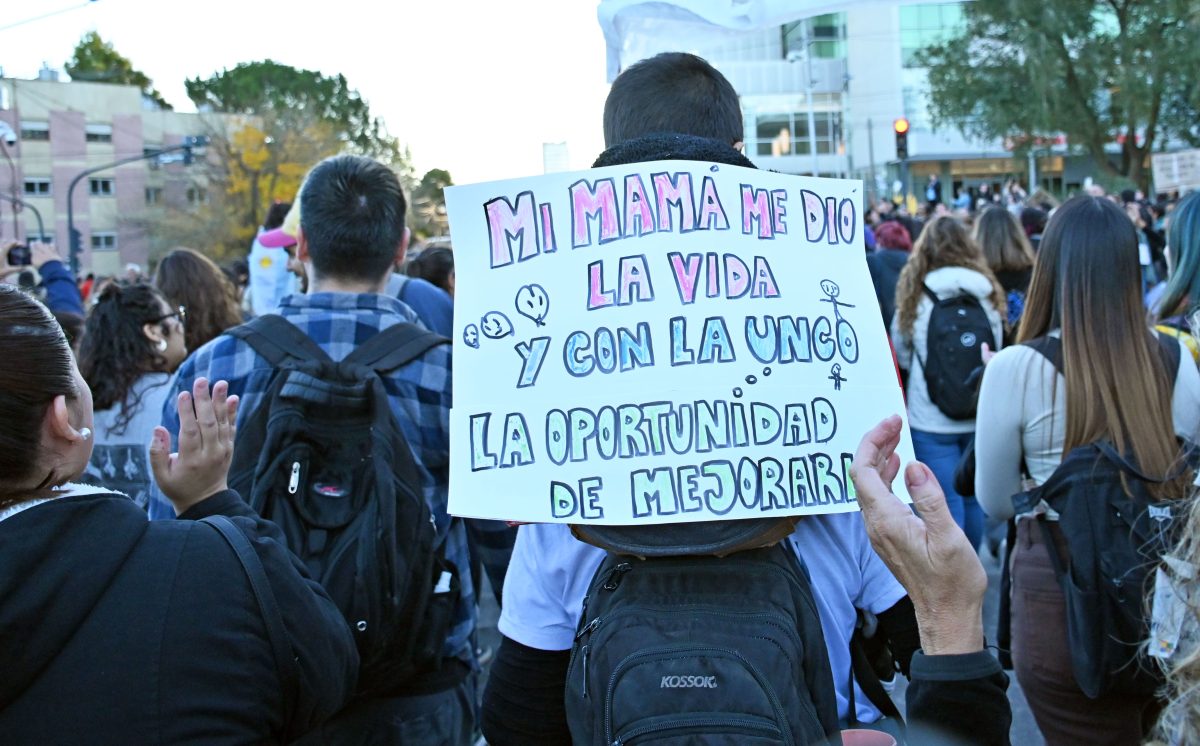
{"points": [[614, 576], [587, 628], [294, 482], [584, 653]]}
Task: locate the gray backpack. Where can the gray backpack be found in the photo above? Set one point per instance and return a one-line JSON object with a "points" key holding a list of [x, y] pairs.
{"points": [[701, 649]]}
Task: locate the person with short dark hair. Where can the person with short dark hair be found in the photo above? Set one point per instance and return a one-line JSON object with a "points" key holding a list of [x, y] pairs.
{"points": [[648, 97], [351, 233]]}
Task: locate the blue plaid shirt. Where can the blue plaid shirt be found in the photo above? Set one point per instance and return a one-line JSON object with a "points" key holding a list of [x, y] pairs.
{"points": [[419, 392]]}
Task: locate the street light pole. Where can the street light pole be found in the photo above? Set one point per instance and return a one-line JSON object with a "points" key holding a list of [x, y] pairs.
{"points": [[36, 214], [75, 238], [808, 96]]}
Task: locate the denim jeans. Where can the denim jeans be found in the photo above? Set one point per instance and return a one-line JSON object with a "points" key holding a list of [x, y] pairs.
{"points": [[941, 452]]}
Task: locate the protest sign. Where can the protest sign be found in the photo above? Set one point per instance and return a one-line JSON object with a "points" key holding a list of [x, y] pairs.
{"points": [[662, 342]]}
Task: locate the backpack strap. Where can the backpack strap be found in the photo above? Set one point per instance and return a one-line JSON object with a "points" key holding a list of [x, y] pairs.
{"points": [[278, 340], [862, 673], [1051, 349], [281, 647], [930, 294], [395, 346]]}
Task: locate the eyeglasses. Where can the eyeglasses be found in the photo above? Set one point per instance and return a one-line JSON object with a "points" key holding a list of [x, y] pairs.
{"points": [[179, 313]]}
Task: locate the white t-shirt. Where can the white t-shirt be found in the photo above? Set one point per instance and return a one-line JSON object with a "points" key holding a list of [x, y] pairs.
{"points": [[550, 571]]}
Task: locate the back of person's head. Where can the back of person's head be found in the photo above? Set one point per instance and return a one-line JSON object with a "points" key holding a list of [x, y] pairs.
{"points": [[892, 235], [435, 266], [275, 215], [944, 242], [352, 217], [188, 278], [672, 92], [1087, 281], [1183, 246], [1002, 240], [35, 367], [1033, 221], [114, 351]]}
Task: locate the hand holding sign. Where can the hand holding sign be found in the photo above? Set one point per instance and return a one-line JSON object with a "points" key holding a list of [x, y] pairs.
{"points": [[533, 303]]}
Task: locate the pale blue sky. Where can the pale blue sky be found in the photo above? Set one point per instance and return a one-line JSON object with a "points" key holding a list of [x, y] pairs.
{"points": [[472, 86]]}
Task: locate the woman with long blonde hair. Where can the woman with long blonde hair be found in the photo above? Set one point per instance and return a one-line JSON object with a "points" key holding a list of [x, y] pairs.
{"points": [[1115, 386], [946, 263]]}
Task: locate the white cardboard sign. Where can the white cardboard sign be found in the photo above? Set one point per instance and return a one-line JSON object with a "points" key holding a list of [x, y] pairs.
{"points": [[662, 342]]}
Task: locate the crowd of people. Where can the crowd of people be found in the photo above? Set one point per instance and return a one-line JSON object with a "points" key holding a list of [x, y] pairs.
{"points": [[1025, 331]]}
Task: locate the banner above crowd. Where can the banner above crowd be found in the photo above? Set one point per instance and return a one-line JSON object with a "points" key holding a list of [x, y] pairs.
{"points": [[662, 342]]}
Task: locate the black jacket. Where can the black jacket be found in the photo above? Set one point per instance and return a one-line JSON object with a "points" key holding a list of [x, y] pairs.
{"points": [[114, 629], [885, 266]]}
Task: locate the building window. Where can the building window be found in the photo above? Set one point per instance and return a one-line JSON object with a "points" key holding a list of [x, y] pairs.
{"points": [[153, 195], [826, 34], [37, 187], [101, 187], [35, 131], [104, 242], [923, 25], [787, 134], [197, 195], [99, 137]]}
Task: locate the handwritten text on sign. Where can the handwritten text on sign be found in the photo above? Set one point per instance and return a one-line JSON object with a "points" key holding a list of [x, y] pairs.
{"points": [[662, 342]]}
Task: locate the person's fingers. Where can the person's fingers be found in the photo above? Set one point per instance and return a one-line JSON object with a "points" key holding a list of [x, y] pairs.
{"points": [[870, 463], [231, 409], [220, 407], [204, 410], [189, 430], [160, 455], [929, 500], [890, 469]]}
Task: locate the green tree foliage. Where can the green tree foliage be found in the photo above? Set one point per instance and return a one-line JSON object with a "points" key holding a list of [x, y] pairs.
{"points": [[95, 60], [302, 97], [1100, 72], [268, 124]]}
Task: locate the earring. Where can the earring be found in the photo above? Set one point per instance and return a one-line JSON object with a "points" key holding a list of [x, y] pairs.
{"points": [[161, 346], [85, 433]]}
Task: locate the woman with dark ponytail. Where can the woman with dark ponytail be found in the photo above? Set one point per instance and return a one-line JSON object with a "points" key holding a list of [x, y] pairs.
{"points": [[115, 629], [132, 343]]}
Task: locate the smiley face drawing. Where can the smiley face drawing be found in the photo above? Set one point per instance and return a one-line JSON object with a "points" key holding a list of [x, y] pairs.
{"points": [[495, 325], [533, 303], [471, 336]]}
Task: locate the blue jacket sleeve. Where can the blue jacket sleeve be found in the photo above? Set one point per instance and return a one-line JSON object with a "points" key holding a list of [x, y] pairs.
{"points": [[62, 294], [432, 305]]}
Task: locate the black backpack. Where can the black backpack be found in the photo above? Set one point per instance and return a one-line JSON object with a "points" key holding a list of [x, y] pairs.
{"points": [[715, 650], [954, 364], [324, 459], [1116, 534]]}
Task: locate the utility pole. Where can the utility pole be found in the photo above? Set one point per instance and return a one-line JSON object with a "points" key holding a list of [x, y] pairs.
{"points": [[185, 149]]}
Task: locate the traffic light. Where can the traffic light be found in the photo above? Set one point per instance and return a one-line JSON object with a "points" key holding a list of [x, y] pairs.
{"points": [[901, 128]]}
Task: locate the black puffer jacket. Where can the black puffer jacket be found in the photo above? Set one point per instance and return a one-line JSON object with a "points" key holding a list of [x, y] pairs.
{"points": [[114, 629]]}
